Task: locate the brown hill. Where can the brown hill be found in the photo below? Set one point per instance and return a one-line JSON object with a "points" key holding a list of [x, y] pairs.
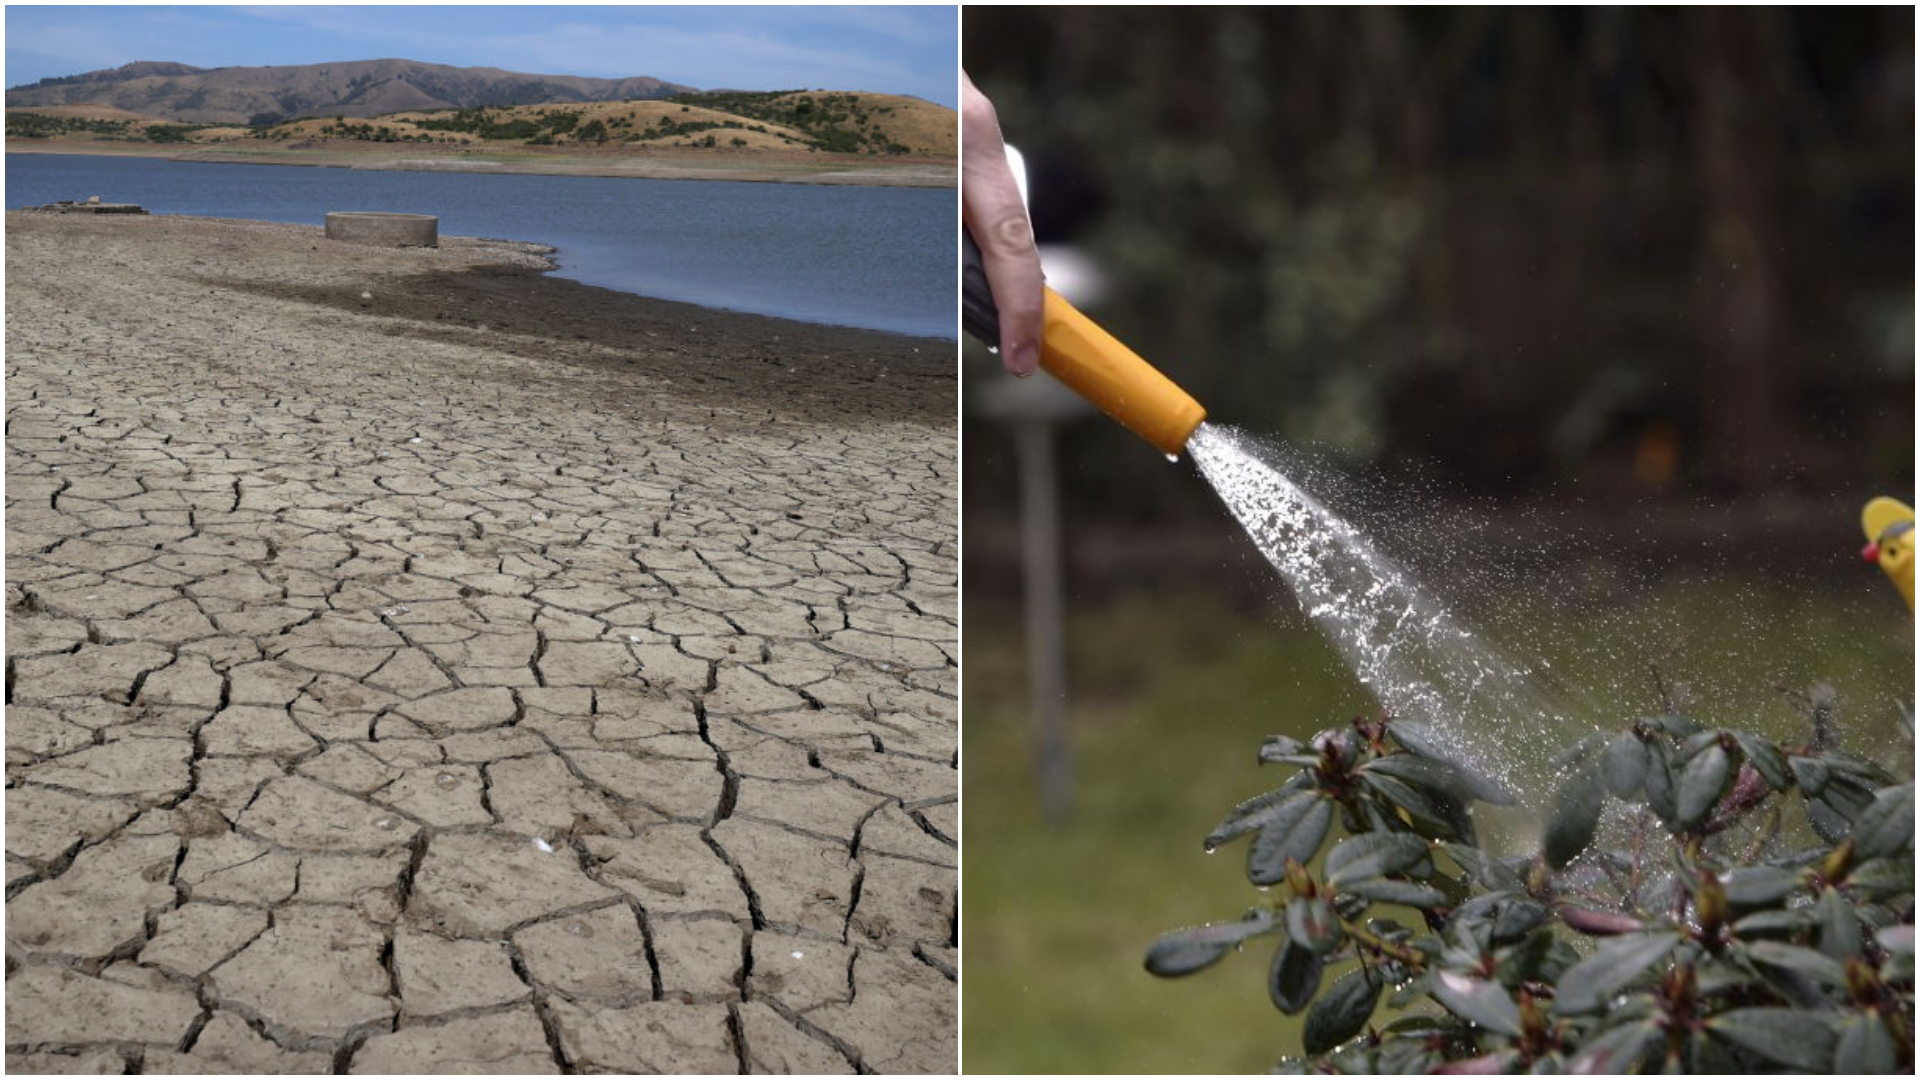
{"points": [[358, 88], [87, 110], [861, 123]]}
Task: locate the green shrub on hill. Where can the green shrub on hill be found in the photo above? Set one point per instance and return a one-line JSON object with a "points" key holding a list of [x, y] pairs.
{"points": [[41, 126]]}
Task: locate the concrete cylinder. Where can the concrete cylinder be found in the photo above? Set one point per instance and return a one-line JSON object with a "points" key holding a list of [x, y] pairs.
{"points": [[384, 230]]}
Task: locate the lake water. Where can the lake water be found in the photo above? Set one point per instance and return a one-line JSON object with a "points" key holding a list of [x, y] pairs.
{"points": [[879, 258]]}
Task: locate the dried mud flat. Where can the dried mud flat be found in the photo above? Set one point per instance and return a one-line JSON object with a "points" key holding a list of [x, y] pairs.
{"points": [[416, 664]]}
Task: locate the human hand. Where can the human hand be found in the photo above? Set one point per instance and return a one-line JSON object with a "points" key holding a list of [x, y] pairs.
{"points": [[997, 219]]}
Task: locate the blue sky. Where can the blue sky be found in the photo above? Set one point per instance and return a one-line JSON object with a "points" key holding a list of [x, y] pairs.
{"points": [[895, 50]]}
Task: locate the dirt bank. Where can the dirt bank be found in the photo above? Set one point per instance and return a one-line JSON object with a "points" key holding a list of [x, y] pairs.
{"points": [[662, 164]]}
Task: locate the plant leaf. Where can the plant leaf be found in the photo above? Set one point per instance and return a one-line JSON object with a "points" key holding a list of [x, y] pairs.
{"points": [[1576, 814], [1280, 746], [1373, 854], [1896, 939], [1341, 1012], [1801, 961], [1886, 827], [1493, 1064], [1418, 739], [1294, 835], [1443, 775], [1615, 1052], [1863, 1047], [1793, 1037], [1880, 878], [1700, 785], [1590, 984], [1255, 813], [1599, 923], [1624, 765], [1828, 824], [1183, 952], [1477, 1001], [1659, 784], [1486, 869], [1784, 922], [1839, 927], [1388, 891], [1810, 773], [1678, 726], [1422, 810], [1293, 977], [1312, 924], [1759, 886], [1766, 759]]}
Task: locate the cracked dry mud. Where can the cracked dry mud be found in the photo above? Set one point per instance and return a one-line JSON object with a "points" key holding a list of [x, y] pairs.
{"points": [[418, 664]]}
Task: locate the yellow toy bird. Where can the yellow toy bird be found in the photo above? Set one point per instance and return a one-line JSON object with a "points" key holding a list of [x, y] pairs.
{"points": [[1889, 525]]}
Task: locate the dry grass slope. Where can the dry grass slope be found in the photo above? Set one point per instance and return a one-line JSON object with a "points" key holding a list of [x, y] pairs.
{"points": [[922, 128]]}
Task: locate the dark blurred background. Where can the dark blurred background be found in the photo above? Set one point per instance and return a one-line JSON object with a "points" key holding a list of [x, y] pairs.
{"points": [[1618, 302]]}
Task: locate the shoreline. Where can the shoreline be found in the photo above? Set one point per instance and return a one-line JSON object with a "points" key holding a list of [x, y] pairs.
{"points": [[742, 168], [492, 286]]}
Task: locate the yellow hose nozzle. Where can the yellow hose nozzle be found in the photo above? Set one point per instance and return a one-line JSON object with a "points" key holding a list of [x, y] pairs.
{"points": [[1075, 350], [1090, 361]]}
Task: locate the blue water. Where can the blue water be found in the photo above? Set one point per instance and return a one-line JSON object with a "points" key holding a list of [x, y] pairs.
{"points": [[879, 258]]}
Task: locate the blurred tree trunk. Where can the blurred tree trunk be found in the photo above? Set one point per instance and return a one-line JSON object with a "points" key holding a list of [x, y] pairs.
{"points": [[1738, 145]]}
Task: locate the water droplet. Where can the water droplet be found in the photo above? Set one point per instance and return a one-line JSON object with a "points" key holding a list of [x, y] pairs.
{"points": [[385, 823], [446, 781], [1173, 457], [798, 955], [579, 929], [1209, 849], [541, 843]]}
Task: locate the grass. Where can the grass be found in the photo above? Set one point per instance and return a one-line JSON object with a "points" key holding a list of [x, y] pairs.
{"points": [[1169, 702]]}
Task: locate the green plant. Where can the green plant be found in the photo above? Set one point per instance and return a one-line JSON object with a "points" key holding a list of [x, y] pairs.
{"points": [[1692, 926], [171, 133]]}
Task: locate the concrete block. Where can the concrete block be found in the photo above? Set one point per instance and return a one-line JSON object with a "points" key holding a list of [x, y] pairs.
{"points": [[384, 230]]}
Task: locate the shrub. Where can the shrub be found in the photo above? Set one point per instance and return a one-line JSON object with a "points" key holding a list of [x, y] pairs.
{"points": [[1710, 927], [171, 133]]}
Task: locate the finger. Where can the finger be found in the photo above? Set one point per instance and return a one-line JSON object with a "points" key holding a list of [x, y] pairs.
{"points": [[1013, 274], [995, 216]]}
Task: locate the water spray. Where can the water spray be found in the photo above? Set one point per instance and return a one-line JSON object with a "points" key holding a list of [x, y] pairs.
{"points": [[1419, 661]]}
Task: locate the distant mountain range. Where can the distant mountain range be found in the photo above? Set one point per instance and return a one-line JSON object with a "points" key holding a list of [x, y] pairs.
{"points": [[356, 88]]}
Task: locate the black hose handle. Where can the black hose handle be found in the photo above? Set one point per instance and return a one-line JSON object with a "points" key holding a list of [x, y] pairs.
{"points": [[977, 314]]}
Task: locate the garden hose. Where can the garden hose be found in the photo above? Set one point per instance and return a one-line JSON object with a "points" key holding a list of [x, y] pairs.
{"points": [[1092, 362]]}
